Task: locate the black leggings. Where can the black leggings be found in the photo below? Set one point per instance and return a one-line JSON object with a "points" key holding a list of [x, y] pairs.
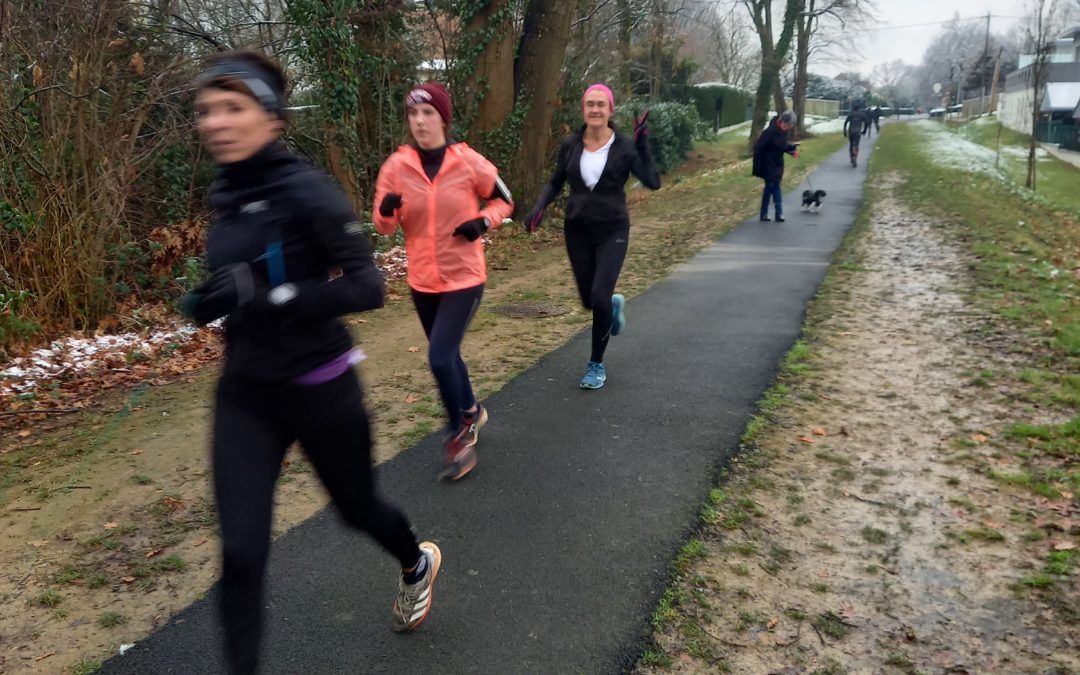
{"points": [[597, 258], [853, 143], [445, 318], [254, 424]]}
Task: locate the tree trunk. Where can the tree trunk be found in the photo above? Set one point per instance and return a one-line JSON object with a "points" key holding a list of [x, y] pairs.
{"points": [[489, 90], [656, 50], [341, 170], [771, 64], [626, 24], [779, 102], [992, 105], [802, 55], [1035, 105], [538, 75]]}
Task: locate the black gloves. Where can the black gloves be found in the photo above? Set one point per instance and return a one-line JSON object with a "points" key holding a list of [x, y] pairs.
{"points": [[227, 288], [472, 229], [232, 287], [533, 218], [390, 203], [641, 132]]}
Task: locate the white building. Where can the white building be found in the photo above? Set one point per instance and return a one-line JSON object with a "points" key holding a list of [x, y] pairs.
{"points": [[1061, 91]]}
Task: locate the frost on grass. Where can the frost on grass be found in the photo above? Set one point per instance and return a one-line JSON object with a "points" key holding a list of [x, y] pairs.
{"points": [[825, 125], [952, 150], [1017, 152]]}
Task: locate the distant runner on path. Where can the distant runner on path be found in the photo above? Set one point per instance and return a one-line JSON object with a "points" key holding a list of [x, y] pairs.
{"points": [[597, 160], [433, 188], [855, 125], [769, 152], [280, 226]]}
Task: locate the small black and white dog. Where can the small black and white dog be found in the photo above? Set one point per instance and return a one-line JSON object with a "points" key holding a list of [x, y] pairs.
{"points": [[811, 200]]}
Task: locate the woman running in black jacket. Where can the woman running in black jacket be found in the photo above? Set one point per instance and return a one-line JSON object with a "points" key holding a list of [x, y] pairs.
{"points": [[597, 161], [287, 259]]}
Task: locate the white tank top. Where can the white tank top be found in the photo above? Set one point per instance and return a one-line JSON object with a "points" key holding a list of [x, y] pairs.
{"points": [[593, 163]]}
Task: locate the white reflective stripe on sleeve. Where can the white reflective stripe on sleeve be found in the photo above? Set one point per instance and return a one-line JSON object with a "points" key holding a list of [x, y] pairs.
{"points": [[501, 191]]}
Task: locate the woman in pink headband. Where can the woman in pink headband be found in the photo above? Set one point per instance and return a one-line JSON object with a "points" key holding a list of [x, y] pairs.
{"points": [[597, 161]]}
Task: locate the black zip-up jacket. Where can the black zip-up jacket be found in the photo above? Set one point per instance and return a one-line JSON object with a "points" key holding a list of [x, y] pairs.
{"points": [[604, 207], [769, 152], [286, 219], [856, 123]]}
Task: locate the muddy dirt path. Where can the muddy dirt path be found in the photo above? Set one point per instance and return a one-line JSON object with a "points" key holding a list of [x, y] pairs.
{"points": [[865, 535]]}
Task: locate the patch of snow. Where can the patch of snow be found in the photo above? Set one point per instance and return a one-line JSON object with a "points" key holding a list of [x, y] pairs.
{"points": [[723, 84], [823, 125], [1018, 152], [953, 150], [78, 354], [393, 262]]}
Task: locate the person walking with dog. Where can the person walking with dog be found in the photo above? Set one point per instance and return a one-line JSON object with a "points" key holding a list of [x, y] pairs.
{"points": [[445, 196], [596, 161], [768, 163], [855, 125], [280, 228]]}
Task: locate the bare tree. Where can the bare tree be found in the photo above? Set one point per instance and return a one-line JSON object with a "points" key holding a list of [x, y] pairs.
{"points": [[1039, 29], [894, 80], [773, 54], [824, 27], [719, 38]]}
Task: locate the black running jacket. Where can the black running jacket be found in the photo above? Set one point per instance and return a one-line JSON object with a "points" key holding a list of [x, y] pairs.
{"points": [[290, 224]]}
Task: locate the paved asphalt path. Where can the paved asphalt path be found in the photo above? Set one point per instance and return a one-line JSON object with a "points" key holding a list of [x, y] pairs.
{"points": [[558, 547]]}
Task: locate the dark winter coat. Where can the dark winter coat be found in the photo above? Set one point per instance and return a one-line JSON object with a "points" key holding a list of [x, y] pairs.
{"points": [[856, 123], [290, 224], [769, 153]]}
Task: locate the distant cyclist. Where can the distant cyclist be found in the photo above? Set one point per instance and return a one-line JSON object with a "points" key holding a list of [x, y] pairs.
{"points": [[855, 125]]}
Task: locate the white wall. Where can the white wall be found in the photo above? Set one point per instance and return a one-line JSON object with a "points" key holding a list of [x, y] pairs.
{"points": [[1014, 110]]}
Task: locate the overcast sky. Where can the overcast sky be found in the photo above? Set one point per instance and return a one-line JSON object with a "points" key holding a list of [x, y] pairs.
{"points": [[898, 35]]}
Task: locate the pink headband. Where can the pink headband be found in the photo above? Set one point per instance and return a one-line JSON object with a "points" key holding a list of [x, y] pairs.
{"points": [[600, 87]]}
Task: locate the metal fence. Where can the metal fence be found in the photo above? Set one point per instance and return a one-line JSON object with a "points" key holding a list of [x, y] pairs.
{"points": [[1063, 133], [819, 107], [973, 107]]}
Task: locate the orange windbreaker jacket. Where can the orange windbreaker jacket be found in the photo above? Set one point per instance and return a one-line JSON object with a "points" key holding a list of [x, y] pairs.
{"points": [[432, 209]]}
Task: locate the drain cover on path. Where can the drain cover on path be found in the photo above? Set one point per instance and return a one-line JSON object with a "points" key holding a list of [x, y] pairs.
{"points": [[530, 310]]}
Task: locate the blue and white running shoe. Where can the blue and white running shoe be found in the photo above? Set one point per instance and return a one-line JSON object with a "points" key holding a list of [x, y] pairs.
{"points": [[594, 376]]}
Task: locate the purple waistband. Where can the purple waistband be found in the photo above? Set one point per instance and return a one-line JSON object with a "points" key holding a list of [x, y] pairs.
{"points": [[331, 369]]}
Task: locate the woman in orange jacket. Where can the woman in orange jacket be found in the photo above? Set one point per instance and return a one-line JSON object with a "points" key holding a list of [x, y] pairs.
{"points": [[433, 189]]}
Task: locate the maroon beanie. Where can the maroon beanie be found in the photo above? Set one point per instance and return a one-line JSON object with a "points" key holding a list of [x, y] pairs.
{"points": [[435, 95]]}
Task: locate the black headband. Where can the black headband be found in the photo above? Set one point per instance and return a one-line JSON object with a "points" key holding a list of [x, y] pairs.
{"points": [[262, 84]]}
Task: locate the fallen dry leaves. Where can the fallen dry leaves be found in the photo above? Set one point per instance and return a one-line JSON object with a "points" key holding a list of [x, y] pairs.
{"points": [[69, 389]]}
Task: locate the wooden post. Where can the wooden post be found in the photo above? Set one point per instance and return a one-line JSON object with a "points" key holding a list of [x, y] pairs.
{"points": [[994, 84]]}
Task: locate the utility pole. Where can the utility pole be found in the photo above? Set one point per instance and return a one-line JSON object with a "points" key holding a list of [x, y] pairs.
{"points": [[994, 85]]}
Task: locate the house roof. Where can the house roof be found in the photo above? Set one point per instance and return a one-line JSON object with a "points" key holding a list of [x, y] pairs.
{"points": [[1061, 96], [1070, 33]]}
